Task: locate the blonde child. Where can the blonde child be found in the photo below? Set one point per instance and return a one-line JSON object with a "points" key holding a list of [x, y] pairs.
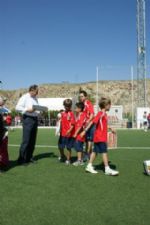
{"points": [[100, 138]]}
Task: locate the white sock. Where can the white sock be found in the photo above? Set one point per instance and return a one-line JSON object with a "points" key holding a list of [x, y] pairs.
{"points": [[89, 164], [107, 168]]}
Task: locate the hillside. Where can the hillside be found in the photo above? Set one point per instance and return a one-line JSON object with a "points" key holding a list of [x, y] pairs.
{"points": [[119, 91]]}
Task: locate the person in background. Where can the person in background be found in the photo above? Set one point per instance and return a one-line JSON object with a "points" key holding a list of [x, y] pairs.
{"points": [[3, 108], [148, 119], [145, 122], [17, 120], [100, 138], [66, 139], [4, 158], [30, 124], [89, 113], [8, 120]]}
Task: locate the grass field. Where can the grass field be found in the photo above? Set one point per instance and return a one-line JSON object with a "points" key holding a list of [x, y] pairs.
{"points": [[51, 193]]}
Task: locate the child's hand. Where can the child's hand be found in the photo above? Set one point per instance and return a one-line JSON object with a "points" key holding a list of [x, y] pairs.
{"points": [[82, 134], [57, 133], [30, 110], [68, 133], [113, 131], [75, 135]]}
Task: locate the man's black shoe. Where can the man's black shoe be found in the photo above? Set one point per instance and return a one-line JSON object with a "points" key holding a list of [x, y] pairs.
{"points": [[33, 161]]}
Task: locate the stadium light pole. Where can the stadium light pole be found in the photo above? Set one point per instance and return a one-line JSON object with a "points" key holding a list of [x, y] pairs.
{"points": [[132, 95]]}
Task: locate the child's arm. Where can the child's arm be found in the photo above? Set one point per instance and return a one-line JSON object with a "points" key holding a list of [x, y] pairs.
{"points": [[77, 132], [57, 131], [90, 119], [86, 129], [72, 124], [69, 131]]}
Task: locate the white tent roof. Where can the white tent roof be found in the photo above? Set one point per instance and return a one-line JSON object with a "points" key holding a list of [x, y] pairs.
{"points": [[52, 103]]}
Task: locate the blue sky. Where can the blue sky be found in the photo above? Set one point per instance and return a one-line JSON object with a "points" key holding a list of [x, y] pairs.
{"points": [[52, 41]]}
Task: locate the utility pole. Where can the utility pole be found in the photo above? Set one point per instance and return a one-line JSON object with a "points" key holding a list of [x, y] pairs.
{"points": [[141, 54]]}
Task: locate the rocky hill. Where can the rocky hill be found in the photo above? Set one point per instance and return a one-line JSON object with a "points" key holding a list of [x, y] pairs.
{"points": [[120, 92]]}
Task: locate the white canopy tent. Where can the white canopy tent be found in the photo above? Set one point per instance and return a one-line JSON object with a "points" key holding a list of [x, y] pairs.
{"points": [[52, 103]]}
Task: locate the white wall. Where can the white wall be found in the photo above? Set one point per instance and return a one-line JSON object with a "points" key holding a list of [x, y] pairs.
{"points": [[139, 115], [116, 112]]}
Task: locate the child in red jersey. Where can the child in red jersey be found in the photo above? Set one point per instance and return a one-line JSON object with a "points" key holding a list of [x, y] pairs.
{"points": [[66, 139], [80, 119], [100, 138], [89, 112]]}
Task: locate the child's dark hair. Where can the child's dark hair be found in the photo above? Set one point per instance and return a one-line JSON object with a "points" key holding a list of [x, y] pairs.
{"points": [[80, 105], [67, 102], [84, 93], [103, 102]]}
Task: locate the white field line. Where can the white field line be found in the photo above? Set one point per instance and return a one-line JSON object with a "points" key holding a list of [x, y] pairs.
{"points": [[55, 146], [54, 127]]}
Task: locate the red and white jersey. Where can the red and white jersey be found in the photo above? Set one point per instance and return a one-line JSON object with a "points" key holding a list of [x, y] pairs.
{"points": [[100, 120], [67, 120], [80, 123], [88, 109]]}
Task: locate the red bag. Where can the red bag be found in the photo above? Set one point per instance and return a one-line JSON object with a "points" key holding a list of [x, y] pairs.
{"points": [[112, 140]]}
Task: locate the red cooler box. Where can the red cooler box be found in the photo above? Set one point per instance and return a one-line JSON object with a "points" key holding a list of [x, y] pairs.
{"points": [[112, 140]]}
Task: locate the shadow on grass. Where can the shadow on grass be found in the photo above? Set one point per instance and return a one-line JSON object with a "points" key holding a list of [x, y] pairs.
{"points": [[146, 174], [14, 163], [101, 166], [73, 159], [45, 155], [11, 165]]}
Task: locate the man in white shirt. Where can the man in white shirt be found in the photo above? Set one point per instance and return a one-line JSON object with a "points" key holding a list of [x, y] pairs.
{"points": [[25, 105]]}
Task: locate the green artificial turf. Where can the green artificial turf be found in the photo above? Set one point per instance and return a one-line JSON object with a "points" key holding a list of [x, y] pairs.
{"points": [[51, 193]]}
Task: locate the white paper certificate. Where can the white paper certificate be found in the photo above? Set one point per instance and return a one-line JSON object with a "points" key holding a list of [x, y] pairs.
{"points": [[40, 108]]}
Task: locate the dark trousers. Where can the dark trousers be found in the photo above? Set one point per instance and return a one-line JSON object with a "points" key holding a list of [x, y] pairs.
{"points": [[30, 125]]}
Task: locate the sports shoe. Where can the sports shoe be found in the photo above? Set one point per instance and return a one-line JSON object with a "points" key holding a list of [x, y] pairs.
{"points": [[67, 162], [33, 161], [78, 163], [90, 169], [111, 172], [61, 159]]}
